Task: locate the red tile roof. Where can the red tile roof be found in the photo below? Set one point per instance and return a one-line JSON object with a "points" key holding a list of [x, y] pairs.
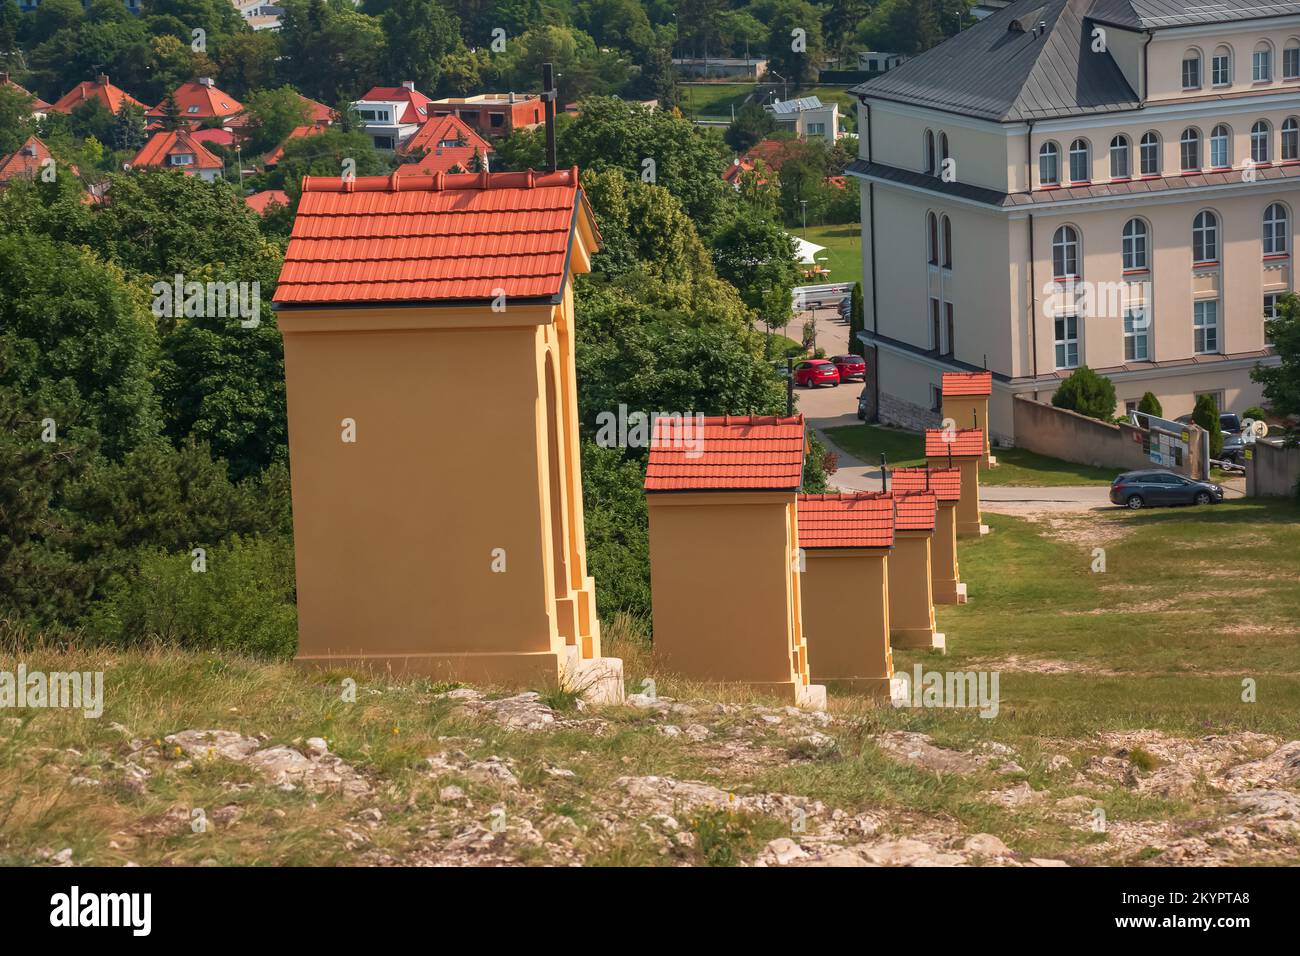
{"points": [[175, 142], [944, 482], [258, 202], [916, 510], [960, 442], [198, 101], [38, 104], [417, 104], [216, 137], [863, 520], [732, 453], [100, 89], [25, 162], [442, 159], [967, 383], [410, 238], [274, 156]]}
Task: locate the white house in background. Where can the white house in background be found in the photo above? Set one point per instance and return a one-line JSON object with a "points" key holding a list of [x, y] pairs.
{"points": [[807, 117], [873, 61], [259, 14], [391, 115]]}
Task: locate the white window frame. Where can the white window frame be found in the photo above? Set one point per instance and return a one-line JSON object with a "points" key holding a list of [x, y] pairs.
{"points": [[1261, 64], [1290, 140], [1205, 327], [1261, 143], [1134, 243], [1220, 147], [1189, 140], [1205, 237], [1291, 60], [1049, 152], [1277, 230], [1221, 68], [1066, 241], [1137, 332], [1149, 147], [1065, 334], [1080, 148], [1191, 70], [1121, 166]]}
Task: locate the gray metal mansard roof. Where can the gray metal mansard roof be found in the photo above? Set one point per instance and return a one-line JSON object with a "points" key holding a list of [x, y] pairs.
{"points": [[1006, 69]]}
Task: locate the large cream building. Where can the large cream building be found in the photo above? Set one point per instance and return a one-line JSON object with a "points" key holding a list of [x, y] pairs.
{"points": [[1110, 183]]}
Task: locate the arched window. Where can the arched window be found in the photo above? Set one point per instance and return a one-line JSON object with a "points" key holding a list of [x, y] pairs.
{"points": [[946, 225], [1189, 149], [1119, 161], [1276, 229], [932, 223], [1261, 63], [1220, 147], [1135, 245], [1291, 140], [929, 151], [1080, 162], [1049, 164], [1291, 60], [1150, 150], [943, 150], [1205, 237], [1221, 67], [1065, 253], [1261, 150], [1192, 70]]}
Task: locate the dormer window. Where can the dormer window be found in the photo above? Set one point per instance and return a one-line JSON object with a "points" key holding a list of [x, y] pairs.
{"points": [[191, 109], [182, 159], [1192, 70]]}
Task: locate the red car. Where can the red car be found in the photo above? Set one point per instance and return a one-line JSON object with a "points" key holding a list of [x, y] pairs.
{"points": [[816, 372], [850, 366]]}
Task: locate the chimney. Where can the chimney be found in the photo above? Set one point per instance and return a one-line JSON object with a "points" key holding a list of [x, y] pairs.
{"points": [[205, 81], [511, 97], [409, 84], [102, 79]]}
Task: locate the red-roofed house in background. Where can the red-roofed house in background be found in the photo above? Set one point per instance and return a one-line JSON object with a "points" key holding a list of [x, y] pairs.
{"points": [[272, 159], [911, 596], [110, 96], [25, 162], [391, 115], [445, 145], [214, 137], [39, 106], [724, 535], [261, 202], [945, 581], [493, 114], [844, 543], [960, 448], [200, 100], [966, 402], [389, 284], [179, 150]]}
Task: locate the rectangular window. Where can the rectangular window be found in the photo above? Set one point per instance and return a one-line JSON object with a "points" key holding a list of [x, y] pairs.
{"points": [[952, 328], [1136, 326], [1205, 322], [1067, 341], [816, 129], [1150, 151], [1270, 313], [1221, 70], [1291, 63], [1261, 66], [936, 398], [934, 324], [1192, 73]]}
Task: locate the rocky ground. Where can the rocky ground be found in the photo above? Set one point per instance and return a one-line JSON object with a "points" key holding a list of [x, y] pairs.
{"points": [[526, 784]]}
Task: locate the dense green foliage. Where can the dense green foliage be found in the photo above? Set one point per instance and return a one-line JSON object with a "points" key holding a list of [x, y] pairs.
{"points": [[1282, 382], [1086, 392], [1206, 415], [1150, 405]]}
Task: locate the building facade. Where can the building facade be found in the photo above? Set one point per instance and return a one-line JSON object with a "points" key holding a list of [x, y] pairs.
{"points": [[1109, 183]]}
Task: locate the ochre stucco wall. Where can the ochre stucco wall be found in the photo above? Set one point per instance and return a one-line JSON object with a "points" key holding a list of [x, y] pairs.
{"points": [[846, 618]]}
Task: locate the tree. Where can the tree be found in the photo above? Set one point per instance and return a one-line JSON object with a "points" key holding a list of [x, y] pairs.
{"points": [[323, 155], [752, 123], [857, 317], [271, 116], [643, 227], [1206, 415], [1087, 393], [757, 256], [796, 55], [1150, 405], [128, 128], [15, 118], [172, 118], [418, 34], [1282, 382], [247, 61]]}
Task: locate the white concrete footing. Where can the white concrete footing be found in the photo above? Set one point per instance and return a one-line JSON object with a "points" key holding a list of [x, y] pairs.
{"points": [[598, 679]]}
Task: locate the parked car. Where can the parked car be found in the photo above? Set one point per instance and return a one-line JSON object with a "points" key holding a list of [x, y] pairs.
{"points": [[1234, 448], [845, 307], [862, 403], [850, 366], [1138, 489], [816, 372], [1229, 422]]}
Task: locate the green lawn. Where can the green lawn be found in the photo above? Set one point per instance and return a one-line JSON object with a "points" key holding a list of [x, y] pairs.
{"points": [[713, 100], [1016, 466], [843, 249]]}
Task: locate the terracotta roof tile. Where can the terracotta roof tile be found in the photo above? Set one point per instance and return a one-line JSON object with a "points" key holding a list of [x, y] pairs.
{"points": [[944, 482], [417, 104], [960, 443], [261, 201], [163, 144], [967, 383], [274, 156], [916, 510], [863, 520], [408, 238], [731, 453], [25, 162], [109, 95], [198, 101]]}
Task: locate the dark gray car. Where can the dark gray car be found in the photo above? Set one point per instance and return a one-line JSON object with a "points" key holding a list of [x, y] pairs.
{"points": [[1140, 489]]}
